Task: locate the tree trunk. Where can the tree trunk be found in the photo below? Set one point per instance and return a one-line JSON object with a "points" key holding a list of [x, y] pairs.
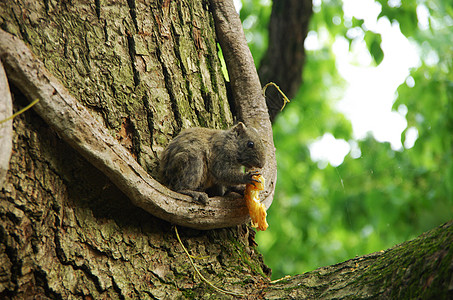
{"points": [[285, 56], [145, 70]]}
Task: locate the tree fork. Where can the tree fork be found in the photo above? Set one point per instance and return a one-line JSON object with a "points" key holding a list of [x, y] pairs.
{"points": [[80, 130], [245, 84]]}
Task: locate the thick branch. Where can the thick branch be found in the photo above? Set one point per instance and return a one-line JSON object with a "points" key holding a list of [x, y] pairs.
{"points": [[245, 84], [418, 269], [78, 128], [285, 55], [6, 128]]}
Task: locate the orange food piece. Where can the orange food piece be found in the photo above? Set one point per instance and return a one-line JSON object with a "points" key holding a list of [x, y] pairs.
{"points": [[257, 210]]}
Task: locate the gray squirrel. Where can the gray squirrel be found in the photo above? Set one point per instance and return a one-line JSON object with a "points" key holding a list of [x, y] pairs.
{"points": [[202, 159]]}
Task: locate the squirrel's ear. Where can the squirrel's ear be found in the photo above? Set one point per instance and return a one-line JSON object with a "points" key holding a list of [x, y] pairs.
{"points": [[239, 127]]}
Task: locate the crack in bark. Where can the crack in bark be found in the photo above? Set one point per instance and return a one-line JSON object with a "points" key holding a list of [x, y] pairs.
{"points": [[97, 4], [131, 41], [22, 30], [116, 288], [46, 6], [86, 270], [133, 13], [131, 47], [106, 33], [168, 85], [149, 117], [41, 280], [61, 256]]}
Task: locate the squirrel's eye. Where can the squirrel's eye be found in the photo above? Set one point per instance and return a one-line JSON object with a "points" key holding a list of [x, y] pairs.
{"points": [[250, 144]]}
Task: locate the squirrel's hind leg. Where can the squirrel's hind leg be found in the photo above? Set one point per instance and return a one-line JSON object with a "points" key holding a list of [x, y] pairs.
{"points": [[197, 196], [190, 176]]}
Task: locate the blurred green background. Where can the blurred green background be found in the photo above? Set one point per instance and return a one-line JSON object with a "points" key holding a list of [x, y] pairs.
{"points": [[378, 197]]}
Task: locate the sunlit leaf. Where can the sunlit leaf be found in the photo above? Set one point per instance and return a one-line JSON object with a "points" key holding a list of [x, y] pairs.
{"points": [[373, 41]]}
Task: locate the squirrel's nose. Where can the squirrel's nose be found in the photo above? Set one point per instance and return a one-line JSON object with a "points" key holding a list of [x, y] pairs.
{"points": [[261, 163]]}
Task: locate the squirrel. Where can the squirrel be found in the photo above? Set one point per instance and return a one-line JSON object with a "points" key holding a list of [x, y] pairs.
{"points": [[202, 160]]}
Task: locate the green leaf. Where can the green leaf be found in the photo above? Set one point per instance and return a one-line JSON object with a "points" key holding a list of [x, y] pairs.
{"points": [[357, 22], [373, 41]]}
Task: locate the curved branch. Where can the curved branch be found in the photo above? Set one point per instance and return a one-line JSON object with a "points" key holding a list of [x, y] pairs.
{"points": [[78, 128], [6, 128], [245, 84]]}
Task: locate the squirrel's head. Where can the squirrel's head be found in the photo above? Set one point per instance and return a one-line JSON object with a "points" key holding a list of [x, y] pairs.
{"points": [[251, 151]]}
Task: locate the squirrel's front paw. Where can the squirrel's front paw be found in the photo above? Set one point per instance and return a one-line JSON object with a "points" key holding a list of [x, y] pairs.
{"points": [[250, 175]]}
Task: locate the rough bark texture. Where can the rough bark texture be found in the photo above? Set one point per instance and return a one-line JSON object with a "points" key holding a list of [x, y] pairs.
{"points": [[285, 56], [418, 269], [68, 232], [146, 69], [76, 126], [6, 129]]}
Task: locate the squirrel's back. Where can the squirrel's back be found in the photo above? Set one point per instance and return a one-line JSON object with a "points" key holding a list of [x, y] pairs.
{"points": [[187, 155], [202, 158]]}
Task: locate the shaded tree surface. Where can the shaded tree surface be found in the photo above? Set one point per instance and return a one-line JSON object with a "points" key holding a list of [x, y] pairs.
{"points": [[421, 268], [285, 56], [145, 70]]}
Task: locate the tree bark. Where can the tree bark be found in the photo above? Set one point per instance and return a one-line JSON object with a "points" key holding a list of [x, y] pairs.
{"points": [[145, 70], [418, 269], [285, 56], [6, 128], [74, 124]]}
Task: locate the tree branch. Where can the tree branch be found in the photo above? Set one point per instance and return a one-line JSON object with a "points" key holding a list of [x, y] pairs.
{"points": [[245, 84], [6, 128], [78, 128], [417, 269], [284, 59]]}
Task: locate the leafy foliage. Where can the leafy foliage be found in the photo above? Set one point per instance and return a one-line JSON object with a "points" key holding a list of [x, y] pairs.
{"points": [[255, 16], [378, 196]]}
